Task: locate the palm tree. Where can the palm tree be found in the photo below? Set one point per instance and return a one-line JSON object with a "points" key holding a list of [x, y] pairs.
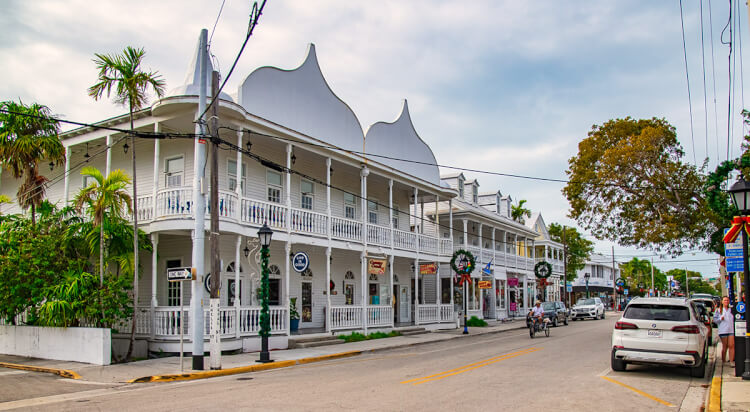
{"points": [[123, 72], [105, 198], [28, 135], [518, 211]]}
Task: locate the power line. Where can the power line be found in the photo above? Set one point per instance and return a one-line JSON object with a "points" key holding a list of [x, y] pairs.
{"points": [[713, 77], [216, 23], [729, 73], [687, 75], [705, 97]]}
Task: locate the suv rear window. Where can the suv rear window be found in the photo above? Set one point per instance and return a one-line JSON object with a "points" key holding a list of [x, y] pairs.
{"points": [[657, 312]]}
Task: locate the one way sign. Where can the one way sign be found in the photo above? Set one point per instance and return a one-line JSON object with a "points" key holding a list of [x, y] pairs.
{"points": [[178, 274]]}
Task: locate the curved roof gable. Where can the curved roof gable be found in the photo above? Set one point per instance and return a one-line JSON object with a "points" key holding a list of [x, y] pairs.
{"points": [[301, 100], [400, 140]]}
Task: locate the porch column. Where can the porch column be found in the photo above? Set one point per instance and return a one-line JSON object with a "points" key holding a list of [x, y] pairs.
{"points": [[288, 195], [328, 206], [437, 221], [391, 300], [390, 208], [450, 220], [67, 174], [416, 291], [515, 248], [466, 234], [481, 259], [493, 246], [525, 292], [237, 288], [155, 191], [154, 283], [363, 256], [108, 165], [328, 284], [239, 175], [287, 251]]}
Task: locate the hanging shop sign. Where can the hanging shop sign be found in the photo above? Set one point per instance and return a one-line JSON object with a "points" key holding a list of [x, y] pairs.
{"points": [[300, 262], [428, 268], [376, 266], [512, 282], [543, 269], [484, 284]]}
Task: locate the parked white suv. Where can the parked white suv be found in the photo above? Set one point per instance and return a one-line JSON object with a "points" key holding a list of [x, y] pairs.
{"points": [[588, 308], [664, 331]]}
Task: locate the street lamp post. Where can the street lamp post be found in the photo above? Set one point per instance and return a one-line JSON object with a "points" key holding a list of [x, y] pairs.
{"points": [[587, 276], [264, 234], [740, 192]]}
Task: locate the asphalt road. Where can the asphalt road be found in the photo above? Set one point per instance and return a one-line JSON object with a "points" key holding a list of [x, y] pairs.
{"points": [[506, 371]]}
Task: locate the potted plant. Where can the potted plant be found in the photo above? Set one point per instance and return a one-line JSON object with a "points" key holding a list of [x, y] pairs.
{"points": [[293, 315]]}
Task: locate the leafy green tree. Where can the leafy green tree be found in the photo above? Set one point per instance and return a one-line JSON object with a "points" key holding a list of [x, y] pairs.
{"points": [[104, 198], [518, 211], [628, 184], [579, 248], [697, 283], [638, 271], [28, 136], [123, 73]]}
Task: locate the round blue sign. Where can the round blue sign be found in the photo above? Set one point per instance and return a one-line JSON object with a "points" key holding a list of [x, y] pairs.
{"points": [[741, 307], [300, 262]]}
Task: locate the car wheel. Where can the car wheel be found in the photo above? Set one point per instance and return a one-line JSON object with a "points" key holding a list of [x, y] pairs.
{"points": [[699, 371], [554, 322], [618, 365]]}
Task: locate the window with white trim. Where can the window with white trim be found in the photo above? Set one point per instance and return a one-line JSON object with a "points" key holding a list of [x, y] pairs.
{"points": [[232, 172], [173, 288], [475, 194], [307, 189], [350, 206], [174, 168], [460, 188], [88, 180], [274, 185], [372, 212]]}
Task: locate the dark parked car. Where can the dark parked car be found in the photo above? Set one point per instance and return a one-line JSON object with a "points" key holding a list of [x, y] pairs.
{"points": [[556, 312]]}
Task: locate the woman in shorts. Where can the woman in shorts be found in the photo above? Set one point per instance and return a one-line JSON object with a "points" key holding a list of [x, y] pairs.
{"points": [[724, 318]]}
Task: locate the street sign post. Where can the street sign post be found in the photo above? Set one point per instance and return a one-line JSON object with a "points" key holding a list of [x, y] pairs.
{"points": [[625, 292], [180, 275]]}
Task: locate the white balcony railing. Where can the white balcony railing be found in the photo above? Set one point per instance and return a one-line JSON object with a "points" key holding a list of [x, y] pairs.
{"points": [[249, 320], [346, 317], [145, 207], [404, 240], [428, 244], [446, 313], [174, 201], [227, 204], [486, 255], [446, 247], [378, 235], [306, 221], [429, 313], [346, 229], [257, 212]]}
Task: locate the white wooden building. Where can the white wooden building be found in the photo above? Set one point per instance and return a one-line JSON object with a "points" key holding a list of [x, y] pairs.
{"points": [[290, 118]]}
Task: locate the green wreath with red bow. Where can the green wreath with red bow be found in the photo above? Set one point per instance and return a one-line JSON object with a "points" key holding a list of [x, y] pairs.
{"points": [[542, 269], [464, 266]]}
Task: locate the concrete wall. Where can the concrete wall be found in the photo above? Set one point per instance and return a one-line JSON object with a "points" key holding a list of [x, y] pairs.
{"points": [[88, 345]]}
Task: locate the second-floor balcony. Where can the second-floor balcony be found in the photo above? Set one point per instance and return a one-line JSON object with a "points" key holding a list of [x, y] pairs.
{"points": [[177, 202]]}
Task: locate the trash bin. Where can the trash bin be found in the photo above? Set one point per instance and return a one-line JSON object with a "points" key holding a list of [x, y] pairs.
{"points": [[739, 347]]}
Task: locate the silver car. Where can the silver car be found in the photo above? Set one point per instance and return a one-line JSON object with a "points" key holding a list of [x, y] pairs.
{"points": [[588, 308]]}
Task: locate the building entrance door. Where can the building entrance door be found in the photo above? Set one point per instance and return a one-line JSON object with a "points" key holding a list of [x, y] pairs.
{"points": [[396, 301], [403, 309], [307, 304]]}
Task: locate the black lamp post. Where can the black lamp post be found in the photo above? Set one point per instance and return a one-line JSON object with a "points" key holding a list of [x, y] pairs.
{"points": [[264, 234], [740, 192], [587, 276]]}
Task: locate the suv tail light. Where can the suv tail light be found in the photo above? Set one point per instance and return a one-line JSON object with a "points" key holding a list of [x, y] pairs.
{"points": [[625, 325], [692, 329]]}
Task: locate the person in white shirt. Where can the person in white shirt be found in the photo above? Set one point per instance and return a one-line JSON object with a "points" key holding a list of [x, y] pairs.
{"points": [[724, 318], [537, 312]]}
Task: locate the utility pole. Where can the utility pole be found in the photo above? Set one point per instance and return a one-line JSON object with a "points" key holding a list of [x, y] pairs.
{"points": [[652, 276], [565, 267], [614, 287], [199, 211], [215, 331], [687, 284]]}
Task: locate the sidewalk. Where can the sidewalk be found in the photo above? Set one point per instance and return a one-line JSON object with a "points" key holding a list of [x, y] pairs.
{"points": [[734, 392], [122, 373]]}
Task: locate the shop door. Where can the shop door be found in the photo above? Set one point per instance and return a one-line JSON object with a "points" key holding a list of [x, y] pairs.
{"points": [[307, 305], [395, 304], [403, 309]]}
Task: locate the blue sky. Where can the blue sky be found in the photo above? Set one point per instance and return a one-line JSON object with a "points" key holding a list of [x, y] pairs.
{"points": [[505, 86]]}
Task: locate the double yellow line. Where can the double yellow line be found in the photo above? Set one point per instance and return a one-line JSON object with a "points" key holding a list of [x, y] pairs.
{"points": [[469, 367]]}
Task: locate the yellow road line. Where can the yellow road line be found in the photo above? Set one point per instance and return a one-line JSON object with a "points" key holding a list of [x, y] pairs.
{"points": [[639, 392], [466, 368]]}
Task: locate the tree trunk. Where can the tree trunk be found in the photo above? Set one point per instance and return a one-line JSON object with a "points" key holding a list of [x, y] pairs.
{"points": [[101, 253], [135, 244], [33, 215]]}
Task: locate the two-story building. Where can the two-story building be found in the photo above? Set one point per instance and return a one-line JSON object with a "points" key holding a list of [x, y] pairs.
{"points": [[549, 251], [601, 278], [312, 175]]}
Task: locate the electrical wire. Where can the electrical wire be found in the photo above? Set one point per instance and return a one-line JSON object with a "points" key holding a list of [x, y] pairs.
{"points": [[729, 73], [687, 75], [713, 77], [216, 23], [705, 94]]}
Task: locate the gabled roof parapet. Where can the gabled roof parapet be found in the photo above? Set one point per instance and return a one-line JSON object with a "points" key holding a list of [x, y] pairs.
{"points": [[300, 99], [191, 86], [399, 140]]}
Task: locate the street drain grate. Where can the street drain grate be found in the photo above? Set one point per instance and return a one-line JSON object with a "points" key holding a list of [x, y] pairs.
{"points": [[244, 379]]}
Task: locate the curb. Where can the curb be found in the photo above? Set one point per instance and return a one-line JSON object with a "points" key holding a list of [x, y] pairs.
{"points": [[713, 403], [241, 369], [61, 372]]}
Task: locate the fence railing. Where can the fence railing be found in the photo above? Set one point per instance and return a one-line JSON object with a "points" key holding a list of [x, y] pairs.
{"points": [[346, 317], [257, 213], [429, 313], [346, 229], [249, 320], [404, 240], [428, 244], [174, 201], [307, 221], [446, 313], [145, 207], [227, 204], [378, 235], [379, 315]]}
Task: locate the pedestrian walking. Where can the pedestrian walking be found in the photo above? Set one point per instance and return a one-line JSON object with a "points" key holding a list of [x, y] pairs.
{"points": [[723, 317]]}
